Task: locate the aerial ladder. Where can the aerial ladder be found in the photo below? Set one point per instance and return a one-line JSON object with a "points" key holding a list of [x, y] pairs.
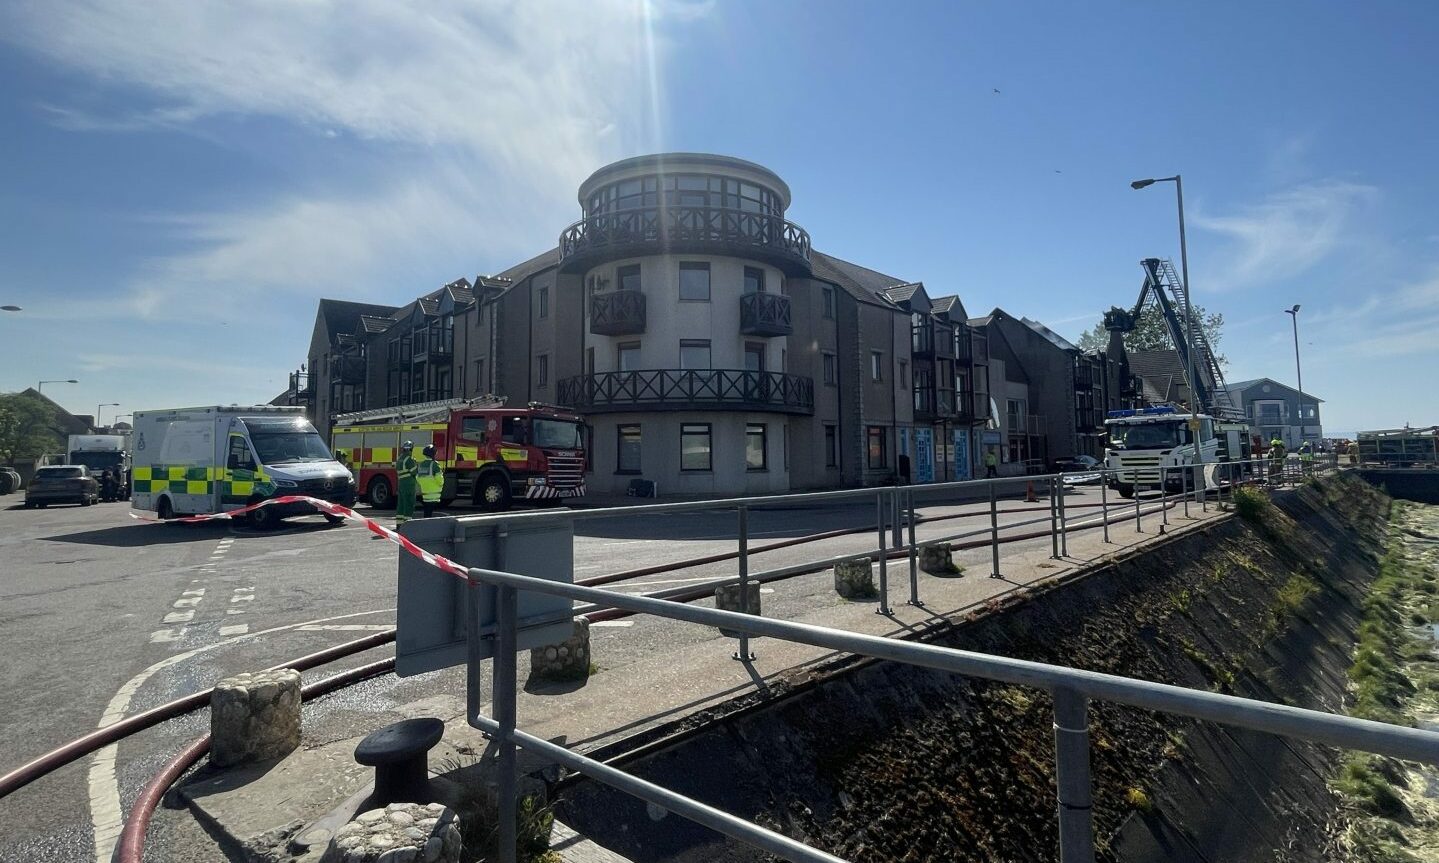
{"points": [[1170, 294], [421, 412]]}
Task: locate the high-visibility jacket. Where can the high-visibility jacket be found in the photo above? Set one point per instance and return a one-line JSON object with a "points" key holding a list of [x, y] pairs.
{"points": [[431, 477], [990, 459], [405, 468], [1277, 449]]}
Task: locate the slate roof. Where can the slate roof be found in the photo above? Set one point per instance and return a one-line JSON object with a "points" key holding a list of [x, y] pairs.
{"points": [[462, 291], [370, 324], [945, 305], [1240, 386], [1161, 373], [862, 283], [1049, 335], [342, 317], [542, 261]]}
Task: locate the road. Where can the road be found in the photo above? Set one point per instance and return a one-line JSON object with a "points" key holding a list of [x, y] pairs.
{"points": [[102, 615]]}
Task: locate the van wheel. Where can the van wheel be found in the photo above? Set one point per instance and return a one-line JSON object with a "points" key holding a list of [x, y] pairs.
{"points": [[85, 501], [263, 518], [165, 510], [380, 494], [492, 492]]}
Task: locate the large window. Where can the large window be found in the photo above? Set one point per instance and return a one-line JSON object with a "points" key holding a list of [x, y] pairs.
{"points": [[753, 280], [628, 359], [627, 449], [543, 302], [694, 354], [627, 278], [827, 293], [694, 446], [755, 446], [877, 444], [831, 446], [829, 362], [694, 281], [542, 370], [686, 190]]}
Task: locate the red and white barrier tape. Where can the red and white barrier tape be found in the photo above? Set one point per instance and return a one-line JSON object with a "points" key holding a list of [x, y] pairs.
{"points": [[438, 561]]}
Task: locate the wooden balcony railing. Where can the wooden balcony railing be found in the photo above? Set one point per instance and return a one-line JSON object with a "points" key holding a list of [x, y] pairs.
{"points": [[688, 389], [619, 313], [763, 314], [663, 229]]}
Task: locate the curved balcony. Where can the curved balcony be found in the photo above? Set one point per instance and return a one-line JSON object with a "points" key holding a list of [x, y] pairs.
{"points": [[618, 313], [679, 229], [762, 314], [688, 390]]}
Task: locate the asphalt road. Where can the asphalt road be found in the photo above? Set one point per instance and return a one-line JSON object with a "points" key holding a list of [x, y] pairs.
{"points": [[102, 616]]}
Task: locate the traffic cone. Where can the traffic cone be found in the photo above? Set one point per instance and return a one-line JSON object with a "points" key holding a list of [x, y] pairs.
{"points": [[1029, 493]]}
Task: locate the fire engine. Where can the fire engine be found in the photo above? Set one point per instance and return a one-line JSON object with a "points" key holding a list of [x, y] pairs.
{"points": [[492, 454]]}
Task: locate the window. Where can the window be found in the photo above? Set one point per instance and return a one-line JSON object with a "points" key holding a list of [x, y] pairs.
{"points": [[827, 293], [544, 302], [755, 446], [753, 280], [542, 370], [754, 356], [1014, 415], [473, 428], [694, 354], [240, 458], [694, 446], [628, 356], [628, 277], [694, 281], [481, 385], [876, 444], [512, 430], [876, 366], [830, 361], [392, 351], [831, 446], [589, 361], [443, 388], [903, 373], [627, 449]]}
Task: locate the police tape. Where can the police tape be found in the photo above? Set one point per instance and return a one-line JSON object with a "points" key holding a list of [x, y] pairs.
{"points": [[438, 561]]}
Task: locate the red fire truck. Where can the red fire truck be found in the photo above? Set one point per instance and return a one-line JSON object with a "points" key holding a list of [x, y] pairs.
{"points": [[492, 454]]}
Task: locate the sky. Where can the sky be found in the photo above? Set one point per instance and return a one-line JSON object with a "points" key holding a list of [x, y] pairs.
{"points": [[181, 182]]}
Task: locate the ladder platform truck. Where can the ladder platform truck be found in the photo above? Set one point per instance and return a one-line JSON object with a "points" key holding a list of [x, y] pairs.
{"points": [[493, 454]]}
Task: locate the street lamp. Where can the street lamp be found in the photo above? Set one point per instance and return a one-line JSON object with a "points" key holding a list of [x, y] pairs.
{"points": [[1298, 370], [105, 405], [41, 389], [1184, 271]]}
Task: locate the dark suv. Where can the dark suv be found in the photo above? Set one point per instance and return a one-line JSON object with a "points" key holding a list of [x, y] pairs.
{"points": [[70, 483]]}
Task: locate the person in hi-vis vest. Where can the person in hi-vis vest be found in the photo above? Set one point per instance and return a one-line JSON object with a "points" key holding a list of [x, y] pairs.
{"points": [[405, 470], [431, 476]]}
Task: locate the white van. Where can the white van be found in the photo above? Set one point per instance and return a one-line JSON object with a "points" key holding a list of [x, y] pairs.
{"points": [[192, 461]]}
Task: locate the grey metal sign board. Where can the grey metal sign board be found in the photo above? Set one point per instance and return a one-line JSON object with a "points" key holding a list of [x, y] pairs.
{"points": [[430, 611]]}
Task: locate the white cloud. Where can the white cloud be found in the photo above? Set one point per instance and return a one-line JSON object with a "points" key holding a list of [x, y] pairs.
{"points": [[1284, 235], [491, 113]]}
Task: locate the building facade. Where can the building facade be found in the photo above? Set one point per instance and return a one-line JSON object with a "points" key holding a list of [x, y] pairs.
{"points": [[1278, 410], [710, 347]]}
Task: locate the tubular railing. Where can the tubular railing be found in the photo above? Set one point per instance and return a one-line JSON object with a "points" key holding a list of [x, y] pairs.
{"points": [[1071, 689]]}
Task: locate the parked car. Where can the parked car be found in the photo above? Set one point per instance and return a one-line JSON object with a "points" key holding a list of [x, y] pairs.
{"points": [[1072, 463], [9, 480], [67, 483]]}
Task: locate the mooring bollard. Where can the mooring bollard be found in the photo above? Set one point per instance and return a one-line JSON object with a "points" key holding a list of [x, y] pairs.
{"points": [[255, 717], [854, 579], [401, 831], [400, 755], [567, 660]]}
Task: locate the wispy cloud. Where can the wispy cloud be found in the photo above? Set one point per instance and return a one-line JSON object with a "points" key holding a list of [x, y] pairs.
{"points": [[1284, 235]]}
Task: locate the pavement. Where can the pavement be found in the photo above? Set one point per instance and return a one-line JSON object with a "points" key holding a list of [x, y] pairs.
{"points": [[102, 616]]}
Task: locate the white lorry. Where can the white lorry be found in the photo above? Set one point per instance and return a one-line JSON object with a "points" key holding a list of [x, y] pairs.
{"points": [[191, 461], [101, 453], [1155, 445]]}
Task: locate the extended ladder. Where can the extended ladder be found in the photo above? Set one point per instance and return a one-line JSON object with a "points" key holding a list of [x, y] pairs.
{"points": [[1213, 399], [417, 413]]}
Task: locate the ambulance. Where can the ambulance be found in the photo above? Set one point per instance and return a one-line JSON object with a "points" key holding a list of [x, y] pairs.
{"points": [[192, 461]]}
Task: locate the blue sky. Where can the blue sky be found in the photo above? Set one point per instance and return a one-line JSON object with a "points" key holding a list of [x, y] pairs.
{"points": [[180, 182]]}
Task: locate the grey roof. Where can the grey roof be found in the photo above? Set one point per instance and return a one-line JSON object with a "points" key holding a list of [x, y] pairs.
{"points": [[370, 324], [1050, 335], [862, 283], [1241, 386], [944, 305], [520, 272], [342, 317], [902, 293], [1161, 374], [462, 291], [982, 321]]}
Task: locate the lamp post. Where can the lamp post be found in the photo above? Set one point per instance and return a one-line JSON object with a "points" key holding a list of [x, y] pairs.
{"points": [[1184, 273], [41, 388], [1298, 370], [105, 405]]}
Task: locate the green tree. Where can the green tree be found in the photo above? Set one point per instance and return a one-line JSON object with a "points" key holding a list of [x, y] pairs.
{"points": [[1151, 334], [27, 427]]}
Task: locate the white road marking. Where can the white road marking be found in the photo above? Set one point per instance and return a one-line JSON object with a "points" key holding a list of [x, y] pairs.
{"points": [[104, 790], [613, 623], [242, 597], [766, 590], [187, 601], [194, 591], [178, 617], [346, 627], [160, 636], [235, 629], [234, 611]]}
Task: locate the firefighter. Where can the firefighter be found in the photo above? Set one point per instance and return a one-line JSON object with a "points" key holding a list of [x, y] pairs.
{"points": [[1306, 457], [405, 472], [431, 476], [1277, 454]]}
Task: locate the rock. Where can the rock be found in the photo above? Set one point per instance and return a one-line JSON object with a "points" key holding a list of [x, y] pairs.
{"points": [[854, 579], [396, 834], [728, 598], [255, 717], [568, 660], [937, 558]]}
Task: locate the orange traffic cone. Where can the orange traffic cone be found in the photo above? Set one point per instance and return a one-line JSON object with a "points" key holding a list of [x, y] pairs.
{"points": [[1029, 493]]}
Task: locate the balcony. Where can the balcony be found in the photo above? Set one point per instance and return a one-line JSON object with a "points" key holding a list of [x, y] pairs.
{"points": [[349, 369], [621, 313], [688, 390], [433, 346], [964, 346], [932, 406], [679, 229], [1084, 375], [762, 314]]}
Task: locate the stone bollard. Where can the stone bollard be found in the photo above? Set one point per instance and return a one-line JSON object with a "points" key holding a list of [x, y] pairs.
{"points": [[936, 558], [399, 833], [854, 579], [568, 660], [727, 598], [254, 717]]}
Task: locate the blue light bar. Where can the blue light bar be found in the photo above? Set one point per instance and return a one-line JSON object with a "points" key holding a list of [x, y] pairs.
{"points": [[1160, 409], [1120, 413]]}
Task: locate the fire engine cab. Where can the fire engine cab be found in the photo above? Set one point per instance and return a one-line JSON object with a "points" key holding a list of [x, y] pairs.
{"points": [[492, 454]]}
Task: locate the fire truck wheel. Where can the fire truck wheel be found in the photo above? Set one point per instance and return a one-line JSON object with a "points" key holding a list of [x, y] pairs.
{"points": [[1125, 491], [380, 494], [492, 492]]}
